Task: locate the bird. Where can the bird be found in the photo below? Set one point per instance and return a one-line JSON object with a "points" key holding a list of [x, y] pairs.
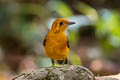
{"points": [[56, 43]]}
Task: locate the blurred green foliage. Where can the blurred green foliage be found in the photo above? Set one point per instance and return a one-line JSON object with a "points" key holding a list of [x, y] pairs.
{"points": [[108, 27], [61, 8]]}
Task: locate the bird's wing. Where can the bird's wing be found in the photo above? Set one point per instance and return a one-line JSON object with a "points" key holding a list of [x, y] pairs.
{"points": [[68, 44], [44, 41]]}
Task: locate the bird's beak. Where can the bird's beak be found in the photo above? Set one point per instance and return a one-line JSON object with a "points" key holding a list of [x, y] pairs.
{"points": [[70, 23]]}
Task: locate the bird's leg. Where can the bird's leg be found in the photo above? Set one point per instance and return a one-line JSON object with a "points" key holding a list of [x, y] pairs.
{"points": [[63, 62], [52, 62]]}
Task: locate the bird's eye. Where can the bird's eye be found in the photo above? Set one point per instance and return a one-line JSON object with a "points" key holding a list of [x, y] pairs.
{"points": [[61, 23]]}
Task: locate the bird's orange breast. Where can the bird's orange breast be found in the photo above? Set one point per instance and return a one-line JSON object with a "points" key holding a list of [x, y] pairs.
{"points": [[56, 46]]}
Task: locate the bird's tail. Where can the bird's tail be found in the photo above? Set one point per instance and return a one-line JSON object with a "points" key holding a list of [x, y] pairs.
{"points": [[61, 61]]}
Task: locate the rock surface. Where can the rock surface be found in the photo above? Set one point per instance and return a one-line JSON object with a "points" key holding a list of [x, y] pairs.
{"points": [[72, 72]]}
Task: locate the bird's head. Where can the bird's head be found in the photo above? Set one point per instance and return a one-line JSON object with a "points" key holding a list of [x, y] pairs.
{"points": [[60, 25]]}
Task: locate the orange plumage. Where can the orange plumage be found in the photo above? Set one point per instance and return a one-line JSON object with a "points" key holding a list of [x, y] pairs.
{"points": [[56, 43]]}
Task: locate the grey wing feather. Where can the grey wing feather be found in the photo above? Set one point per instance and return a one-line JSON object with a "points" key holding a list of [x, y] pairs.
{"points": [[44, 41], [68, 44]]}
